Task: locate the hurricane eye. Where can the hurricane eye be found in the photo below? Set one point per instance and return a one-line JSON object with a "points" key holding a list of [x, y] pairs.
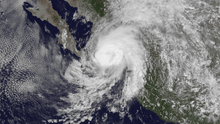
{"points": [[109, 55]]}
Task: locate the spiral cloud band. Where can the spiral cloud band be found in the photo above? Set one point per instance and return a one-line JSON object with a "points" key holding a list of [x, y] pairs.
{"points": [[161, 54], [118, 50]]}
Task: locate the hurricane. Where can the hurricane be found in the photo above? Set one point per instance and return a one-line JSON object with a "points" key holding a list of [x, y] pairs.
{"points": [[110, 61]]}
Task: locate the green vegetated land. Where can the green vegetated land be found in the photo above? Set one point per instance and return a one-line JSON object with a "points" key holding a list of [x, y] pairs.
{"points": [[159, 99], [98, 6], [181, 103]]}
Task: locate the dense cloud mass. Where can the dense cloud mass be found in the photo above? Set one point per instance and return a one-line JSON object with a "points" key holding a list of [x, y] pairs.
{"points": [[111, 61]]}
